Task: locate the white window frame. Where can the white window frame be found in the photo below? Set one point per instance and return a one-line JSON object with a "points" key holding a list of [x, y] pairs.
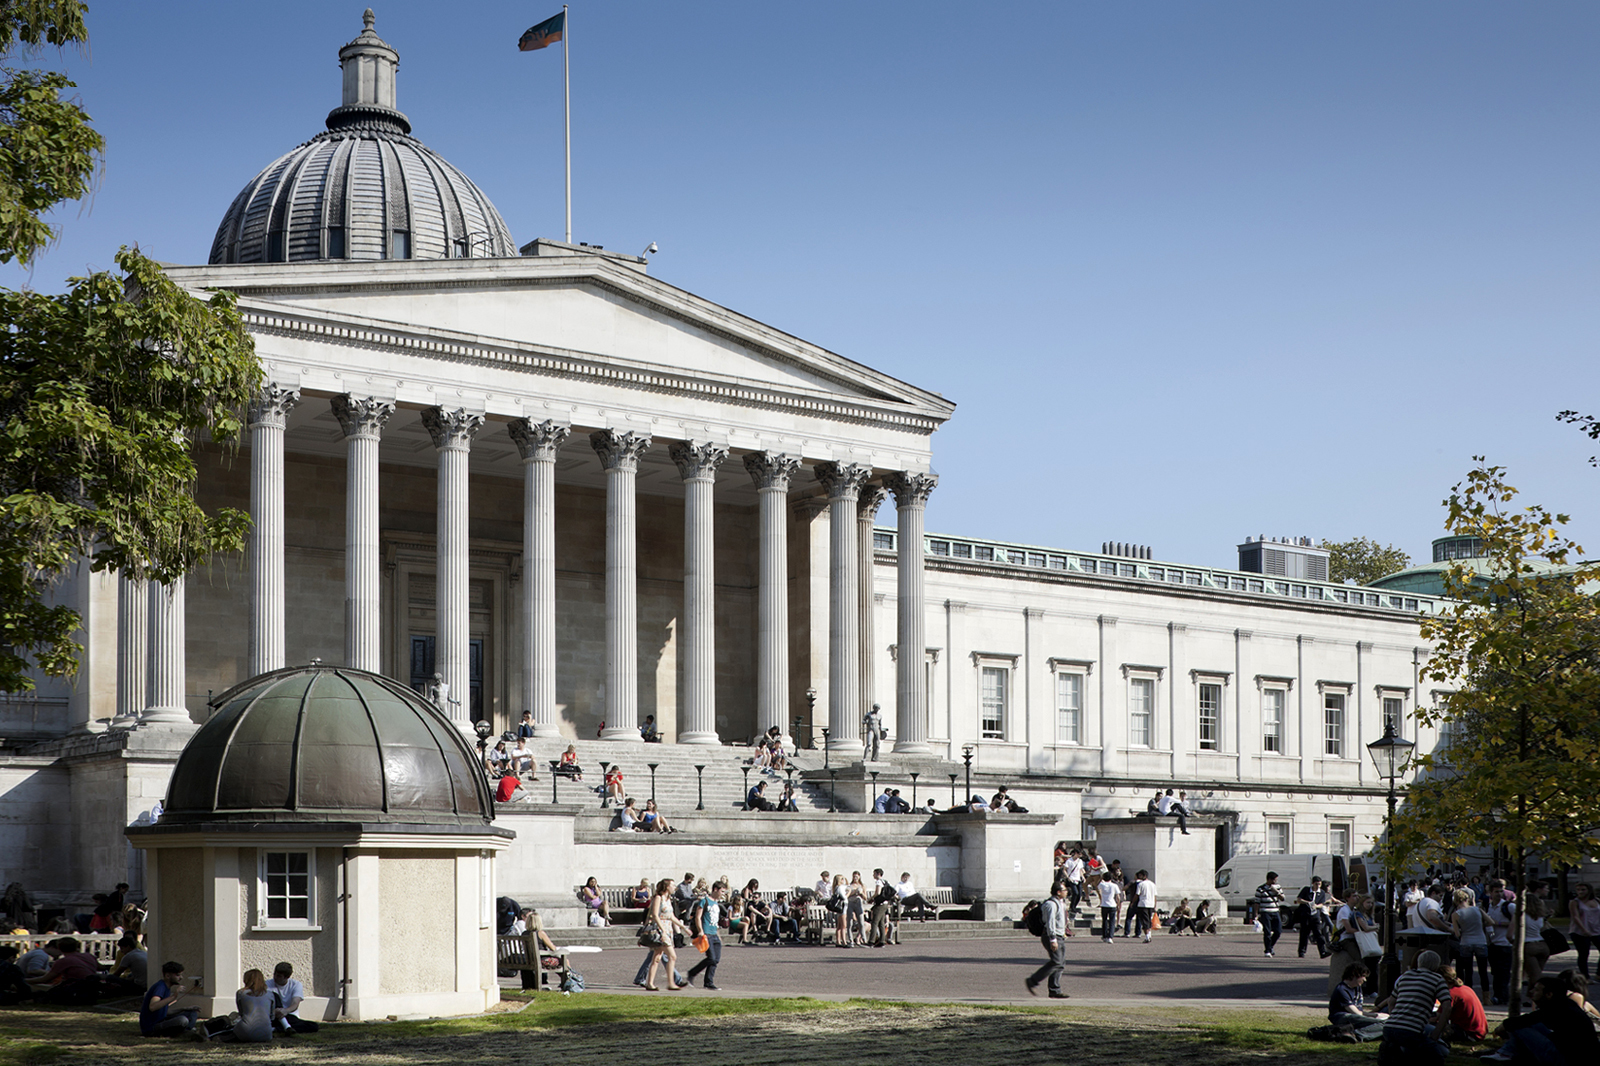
{"points": [[1078, 670], [1287, 826], [1142, 722], [1219, 680], [263, 887], [1349, 830], [1282, 687], [1328, 691], [1006, 665], [1396, 694]]}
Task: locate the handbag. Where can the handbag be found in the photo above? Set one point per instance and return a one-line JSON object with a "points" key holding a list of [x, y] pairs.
{"points": [[1556, 939], [1367, 943], [650, 935], [835, 904]]}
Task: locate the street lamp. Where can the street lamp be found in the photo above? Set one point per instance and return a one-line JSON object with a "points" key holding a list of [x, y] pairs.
{"points": [[746, 770], [605, 787], [811, 719], [952, 791], [483, 729], [825, 732], [554, 780], [652, 766], [700, 785], [966, 757], [914, 790], [833, 789], [797, 744], [1390, 754]]}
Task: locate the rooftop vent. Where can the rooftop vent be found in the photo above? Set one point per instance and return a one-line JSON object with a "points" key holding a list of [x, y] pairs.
{"points": [[1295, 557], [1127, 551]]}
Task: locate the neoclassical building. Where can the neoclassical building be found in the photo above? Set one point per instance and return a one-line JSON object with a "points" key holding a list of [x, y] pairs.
{"points": [[541, 479]]}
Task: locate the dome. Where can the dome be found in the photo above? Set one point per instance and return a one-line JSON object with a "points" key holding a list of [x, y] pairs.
{"points": [[323, 743], [364, 189]]}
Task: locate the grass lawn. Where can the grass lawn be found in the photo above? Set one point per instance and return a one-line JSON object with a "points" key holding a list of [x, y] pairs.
{"points": [[608, 1030]]}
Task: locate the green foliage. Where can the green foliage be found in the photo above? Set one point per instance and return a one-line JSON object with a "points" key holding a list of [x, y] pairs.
{"points": [[1587, 424], [1519, 653], [48, 150], [103, 389], [1363, 560]]}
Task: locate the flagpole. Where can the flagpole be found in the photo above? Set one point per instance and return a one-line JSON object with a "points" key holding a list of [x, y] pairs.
{"points": [[566, 67]]}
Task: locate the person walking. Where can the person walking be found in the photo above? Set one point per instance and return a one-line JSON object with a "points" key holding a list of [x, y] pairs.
{"points": [[704, 917], [1311, 913], [1268, 899], [1584, 911], [1054, 939], [660, 914], [1110, 895]]}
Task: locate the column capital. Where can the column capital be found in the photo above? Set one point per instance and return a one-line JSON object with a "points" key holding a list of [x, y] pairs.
{"points": [[619, 450], [771, 470], [538, 440], [272, 405], [867, 504], [911, 490], [451, 429], [361, 416], [842, 480], [697, 460]]}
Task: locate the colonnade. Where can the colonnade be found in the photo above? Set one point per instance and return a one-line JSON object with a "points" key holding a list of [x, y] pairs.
{"points": [[151, 616]]}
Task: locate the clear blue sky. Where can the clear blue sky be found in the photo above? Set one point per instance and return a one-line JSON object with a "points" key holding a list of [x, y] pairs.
{"points": [[1191, 270]]}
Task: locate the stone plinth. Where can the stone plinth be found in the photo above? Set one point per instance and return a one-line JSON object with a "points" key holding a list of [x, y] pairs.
{"points": [[1179, 865], [1006, 859]]}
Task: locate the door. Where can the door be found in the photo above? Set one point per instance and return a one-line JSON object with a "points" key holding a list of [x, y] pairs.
{"points": [[422, 667]]}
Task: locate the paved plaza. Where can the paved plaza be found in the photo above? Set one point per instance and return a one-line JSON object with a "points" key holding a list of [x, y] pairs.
{"points": [[991, 970]]}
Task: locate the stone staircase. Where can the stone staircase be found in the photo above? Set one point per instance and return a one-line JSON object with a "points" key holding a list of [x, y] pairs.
{"points": [[678, 788]]}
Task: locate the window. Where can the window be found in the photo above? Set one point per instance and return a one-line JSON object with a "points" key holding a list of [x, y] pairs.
{"points": [[1333, 724], [1069, 708], [1272, 720], [1210, 717], [1394, 712], [1141, 710], [335, 242], [1339, 838], [275, 247], [1277, 838], [401, 248], [994, 702], [285, 888]]}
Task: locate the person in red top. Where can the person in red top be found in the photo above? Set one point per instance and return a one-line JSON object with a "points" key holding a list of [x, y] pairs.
{"points": [[1468, 1023], [508, 785], [614, 791]]}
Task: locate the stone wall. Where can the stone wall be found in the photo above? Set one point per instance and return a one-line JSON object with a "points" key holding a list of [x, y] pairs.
{"points": [[416, 930]]}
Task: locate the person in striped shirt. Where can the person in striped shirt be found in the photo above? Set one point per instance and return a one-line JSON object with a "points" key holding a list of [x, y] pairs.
{"points": [[1268, 898], [1419, 1016]]}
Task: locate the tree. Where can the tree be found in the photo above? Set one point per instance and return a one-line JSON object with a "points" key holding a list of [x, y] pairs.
{"points": [[1520, 653], [1362, 560], [1588, 424], [103, 389]]}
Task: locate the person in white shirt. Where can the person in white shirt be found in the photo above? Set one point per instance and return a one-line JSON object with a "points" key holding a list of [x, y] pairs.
{"points": [[1165, 804], [910, 898], [1144, 904], [1430, 912], [1110, 897], [522, 758], [1072, 873], [1410, 898], [287, 994]]}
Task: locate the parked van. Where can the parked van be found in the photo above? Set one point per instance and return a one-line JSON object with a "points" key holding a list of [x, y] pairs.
{"points": [[1238, 877]]}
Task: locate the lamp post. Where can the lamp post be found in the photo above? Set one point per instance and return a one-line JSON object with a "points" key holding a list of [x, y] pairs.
{"points": [[966, 757], [833, 787], [811, 719], [875, 774], [483, 729], [700, 785], [952, 791], [1390, 754], [746, 770], [914, 790], [605, 786], [825, 732], [554, 780], [797, 744], [653, 766]]}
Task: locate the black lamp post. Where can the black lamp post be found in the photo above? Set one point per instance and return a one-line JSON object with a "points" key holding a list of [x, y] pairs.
{"points": [[605, 786], [797, 744], [952, 791], [875, 784], [700, 785], [652, 766], [746, 770], [483, 729], [966, 757], [833, 787], [555, 778], [1390, 754], [811, 717], [914, 790], [825, 732]]}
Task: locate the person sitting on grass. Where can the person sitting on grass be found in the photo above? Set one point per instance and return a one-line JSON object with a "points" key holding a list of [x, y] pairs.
{"points": [[1468, 1023], [156, 1014], [1419, 1016], [1556, 1032], [14, 987], [1346, 1011]]}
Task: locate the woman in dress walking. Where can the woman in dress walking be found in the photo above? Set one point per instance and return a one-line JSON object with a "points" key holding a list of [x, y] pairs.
{"points": [[666, 923]]}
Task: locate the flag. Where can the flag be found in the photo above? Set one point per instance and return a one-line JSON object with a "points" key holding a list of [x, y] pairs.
{"points": [[546, 33]]}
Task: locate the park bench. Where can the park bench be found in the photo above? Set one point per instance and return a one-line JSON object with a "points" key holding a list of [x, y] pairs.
{"points": [[103, 946], [619, 899], [521, 953]]}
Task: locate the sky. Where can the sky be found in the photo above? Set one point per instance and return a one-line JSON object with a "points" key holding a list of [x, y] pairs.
{"points": [[1190, 271]]}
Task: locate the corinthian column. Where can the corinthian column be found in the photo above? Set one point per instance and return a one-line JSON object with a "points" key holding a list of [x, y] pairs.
{"points": [[167, 664], [843, 482], [619, 454], [911, 492], [452, 433], [866, 513], [268, 417], [133, 649], [538, 442], [771, 471], [362, 420], [698, 463]]}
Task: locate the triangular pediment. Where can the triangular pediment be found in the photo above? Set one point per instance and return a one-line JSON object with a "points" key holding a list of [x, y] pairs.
{"points": [[589, 307]]}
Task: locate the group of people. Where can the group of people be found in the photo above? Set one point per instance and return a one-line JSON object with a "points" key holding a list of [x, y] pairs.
{"points": [[262, 1008], [1081, 873]]}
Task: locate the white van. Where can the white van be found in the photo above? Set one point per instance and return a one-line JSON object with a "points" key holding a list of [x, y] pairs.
{"points": [[1238, 877]]}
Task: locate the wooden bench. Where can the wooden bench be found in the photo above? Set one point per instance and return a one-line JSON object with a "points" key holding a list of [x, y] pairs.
{"points": [[103, 946], [517, 953], [619, 900]]}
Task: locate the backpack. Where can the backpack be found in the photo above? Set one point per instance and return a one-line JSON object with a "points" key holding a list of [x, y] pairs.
{"points": [[1033, 917], [573, 982]]}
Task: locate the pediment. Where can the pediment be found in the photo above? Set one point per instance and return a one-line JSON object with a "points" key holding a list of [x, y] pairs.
{"points": [[592, 309]]}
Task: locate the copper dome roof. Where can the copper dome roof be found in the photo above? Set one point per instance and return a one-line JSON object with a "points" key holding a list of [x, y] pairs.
{"points": [[323, 743]]}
